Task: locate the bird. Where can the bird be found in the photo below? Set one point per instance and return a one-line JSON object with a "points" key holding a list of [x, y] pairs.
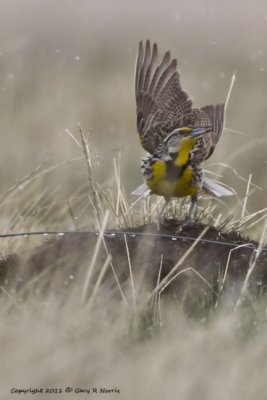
{"points": [[177, 136]]}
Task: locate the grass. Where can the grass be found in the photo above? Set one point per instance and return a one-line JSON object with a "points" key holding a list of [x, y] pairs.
{"points": [[141, 344], [73, 63], [107, 345]]}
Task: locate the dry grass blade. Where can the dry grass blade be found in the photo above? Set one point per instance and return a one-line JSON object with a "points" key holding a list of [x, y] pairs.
{"points": [[238, 224], [262, 218], [227, 166], [39, 171], [99, 203], [230, 90], [108, 201], [94, 257], [177, 265], [73, 138], [156, 296], [250, 146], [72, 216], [94, 210], [36, 278], [88, 159], [222, 284], [252, 266], [126, 212], [236, 131], [99, 280], [118, 181], [10, 297], [131, 273], [114, 271], [182, 272], [120, 202], [246, 197]]}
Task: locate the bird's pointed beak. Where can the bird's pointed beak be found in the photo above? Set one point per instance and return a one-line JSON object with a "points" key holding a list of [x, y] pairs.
{"points": [[199, 131]]}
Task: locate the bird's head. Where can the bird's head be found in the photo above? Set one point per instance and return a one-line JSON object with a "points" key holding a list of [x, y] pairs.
{"points": [[186, 135], [182, 140], [192, 132]]}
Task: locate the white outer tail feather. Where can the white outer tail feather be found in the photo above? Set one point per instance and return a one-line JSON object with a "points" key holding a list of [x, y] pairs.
{"points": [[142, 190], [216, 189], [209, 187]]}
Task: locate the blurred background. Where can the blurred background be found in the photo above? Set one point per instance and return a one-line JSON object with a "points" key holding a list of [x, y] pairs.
{"points": [[64, 62]]}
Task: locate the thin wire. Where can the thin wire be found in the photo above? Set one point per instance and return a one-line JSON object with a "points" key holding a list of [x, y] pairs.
{"points": [[113, 233]]}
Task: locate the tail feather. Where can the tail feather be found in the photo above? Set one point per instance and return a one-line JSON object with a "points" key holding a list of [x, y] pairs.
{"points": [[142, 190], [209, 188], [215, 189]]}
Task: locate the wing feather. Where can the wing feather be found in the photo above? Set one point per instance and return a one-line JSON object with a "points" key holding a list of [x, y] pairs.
{"points": [[138, 67], [216, 117], [163, 106]]}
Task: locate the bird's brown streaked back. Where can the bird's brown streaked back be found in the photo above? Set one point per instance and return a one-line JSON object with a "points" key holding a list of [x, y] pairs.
{"points": [[163, 106]]}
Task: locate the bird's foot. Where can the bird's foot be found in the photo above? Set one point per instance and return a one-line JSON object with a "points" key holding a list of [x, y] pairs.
{"points": [[188, 222]]}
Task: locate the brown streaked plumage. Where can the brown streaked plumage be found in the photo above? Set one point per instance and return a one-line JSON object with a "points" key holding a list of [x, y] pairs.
{"points": [[177, 136], [162, 104]]}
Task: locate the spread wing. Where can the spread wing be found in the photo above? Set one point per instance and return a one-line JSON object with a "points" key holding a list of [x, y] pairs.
{"points": [[163, 106], [211, 116], [216, 118], [161, 102]]}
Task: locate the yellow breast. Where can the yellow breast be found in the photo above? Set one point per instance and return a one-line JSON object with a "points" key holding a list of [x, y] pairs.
{"points": [[161, 185]]}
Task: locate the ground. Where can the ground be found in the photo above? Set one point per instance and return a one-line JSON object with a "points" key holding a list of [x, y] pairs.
{"points": [[144, 256]]}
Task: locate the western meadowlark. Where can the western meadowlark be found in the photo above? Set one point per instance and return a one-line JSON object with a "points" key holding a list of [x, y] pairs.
{"points": [[177, 136]]}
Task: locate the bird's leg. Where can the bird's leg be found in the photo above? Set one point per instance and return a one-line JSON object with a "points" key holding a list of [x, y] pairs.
{"points": [[193, 209], [161, 214], [190, 218]]}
